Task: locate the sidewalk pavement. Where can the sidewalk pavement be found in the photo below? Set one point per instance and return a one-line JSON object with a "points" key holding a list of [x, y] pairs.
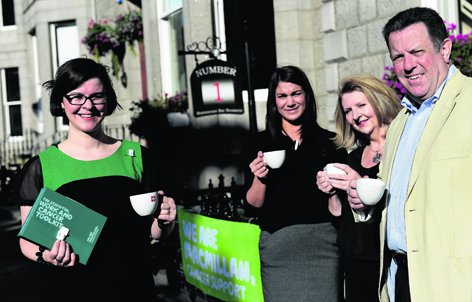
{"points": [[164, 294]]}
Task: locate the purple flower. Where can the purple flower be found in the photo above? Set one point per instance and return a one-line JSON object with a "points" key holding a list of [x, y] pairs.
{"points": [[389, 83], [116, 44], [452, 38], [459, 59], [393, 68], [140, 33], [403, 90], [399, 96], [387, 67], [384, 77], [398, 85]]}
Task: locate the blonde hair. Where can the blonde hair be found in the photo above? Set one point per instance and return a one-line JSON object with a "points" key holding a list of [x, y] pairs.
{"points": [[381, 97]]}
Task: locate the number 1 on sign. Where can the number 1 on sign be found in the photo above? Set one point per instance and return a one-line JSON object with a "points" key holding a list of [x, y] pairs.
{"points": [[218, 91]]}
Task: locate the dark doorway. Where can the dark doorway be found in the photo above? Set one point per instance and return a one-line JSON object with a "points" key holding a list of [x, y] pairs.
{"points": [[254, 21]]}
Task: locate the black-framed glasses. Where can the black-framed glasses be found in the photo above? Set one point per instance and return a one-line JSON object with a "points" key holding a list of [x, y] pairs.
{"points": [[80, 99]]}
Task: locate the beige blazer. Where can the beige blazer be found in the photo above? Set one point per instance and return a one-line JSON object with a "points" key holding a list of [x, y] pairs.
{"points": [[438, 209]]}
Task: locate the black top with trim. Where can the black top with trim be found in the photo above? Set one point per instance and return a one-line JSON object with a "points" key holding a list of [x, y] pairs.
{"points": [[359, 241], [292, 196]]}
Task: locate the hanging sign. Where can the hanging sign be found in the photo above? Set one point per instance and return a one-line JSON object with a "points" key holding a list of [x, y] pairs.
{"points": [[221, 258], [216, 89]]}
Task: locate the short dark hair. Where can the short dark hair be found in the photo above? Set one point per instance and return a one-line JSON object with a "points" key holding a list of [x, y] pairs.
{"points": [[71, 75], [295, 75], [431, 19]]}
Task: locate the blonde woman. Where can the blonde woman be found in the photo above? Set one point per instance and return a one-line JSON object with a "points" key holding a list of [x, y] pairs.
{"points": [[366, 107]]}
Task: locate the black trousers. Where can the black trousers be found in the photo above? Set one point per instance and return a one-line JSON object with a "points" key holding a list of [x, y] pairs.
{"points": [[402, 285]]}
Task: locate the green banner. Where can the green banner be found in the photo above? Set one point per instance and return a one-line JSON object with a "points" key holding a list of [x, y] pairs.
{"points": [[221, 257]]}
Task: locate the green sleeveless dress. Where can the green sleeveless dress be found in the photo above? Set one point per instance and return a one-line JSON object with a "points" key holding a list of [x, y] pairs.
{"points": [[120, 265]]}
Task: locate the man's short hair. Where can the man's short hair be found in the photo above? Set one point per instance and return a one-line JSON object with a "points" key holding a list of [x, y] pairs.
{"points": [[431, 19]]}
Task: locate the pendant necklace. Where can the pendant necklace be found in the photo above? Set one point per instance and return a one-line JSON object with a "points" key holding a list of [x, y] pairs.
{"points": [[297, 143], [378, 156]]}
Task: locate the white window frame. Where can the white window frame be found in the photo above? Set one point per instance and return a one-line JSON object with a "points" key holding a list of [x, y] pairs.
{"points": [[56, 60], [6, 106], [37, 82], [220, 29], [7, 27], [164, 9]]}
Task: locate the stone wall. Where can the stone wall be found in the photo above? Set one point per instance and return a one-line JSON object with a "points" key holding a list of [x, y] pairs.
{"points": [[331, 39]]}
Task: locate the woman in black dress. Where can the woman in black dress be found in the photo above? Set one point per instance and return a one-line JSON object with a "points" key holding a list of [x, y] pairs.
{"points": [[366, 106], [100, 172], [298, 251]]}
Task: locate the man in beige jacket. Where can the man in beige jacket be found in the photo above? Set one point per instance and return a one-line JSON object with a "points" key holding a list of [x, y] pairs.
{"points": [[426, 229]]}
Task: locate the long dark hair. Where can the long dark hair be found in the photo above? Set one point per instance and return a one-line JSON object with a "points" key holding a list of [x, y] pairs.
{"points": [[71, 75], [308, 119]]}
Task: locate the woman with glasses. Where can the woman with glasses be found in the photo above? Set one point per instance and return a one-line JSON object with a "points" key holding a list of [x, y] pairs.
{"points": [[100, 172]]}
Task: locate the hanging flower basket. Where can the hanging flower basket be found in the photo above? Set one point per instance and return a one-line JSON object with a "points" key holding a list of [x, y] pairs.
{"points": [[129, 28], [102, 38], [154, 116]]}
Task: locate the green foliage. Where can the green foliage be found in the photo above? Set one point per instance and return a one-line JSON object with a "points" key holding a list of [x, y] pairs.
{"points": [[461, 53]]}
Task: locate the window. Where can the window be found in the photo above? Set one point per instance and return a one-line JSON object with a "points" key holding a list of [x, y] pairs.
{"points": [[7, 13], [64, 46], [465, 16], [64, 42], [171, 33], [11, 101]]}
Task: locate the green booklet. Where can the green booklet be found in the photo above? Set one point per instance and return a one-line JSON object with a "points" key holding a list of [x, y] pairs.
{"points": [[53, 213]]}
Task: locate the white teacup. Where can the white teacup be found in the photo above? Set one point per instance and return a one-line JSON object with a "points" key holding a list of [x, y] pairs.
{"points": [[331, 169], [274, 159], [370, 190], [145, 204]]}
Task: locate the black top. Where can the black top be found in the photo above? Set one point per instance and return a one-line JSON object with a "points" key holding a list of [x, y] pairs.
{"points": [[292, 196], [359, 241]]}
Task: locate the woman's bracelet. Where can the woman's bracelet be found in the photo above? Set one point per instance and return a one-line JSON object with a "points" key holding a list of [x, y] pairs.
{"points": [[40, 256]]}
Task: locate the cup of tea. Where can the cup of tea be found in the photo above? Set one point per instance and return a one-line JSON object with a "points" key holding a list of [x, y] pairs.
{"points": [[145, 204], [331, 169], [370, 190], [274, 159]]}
